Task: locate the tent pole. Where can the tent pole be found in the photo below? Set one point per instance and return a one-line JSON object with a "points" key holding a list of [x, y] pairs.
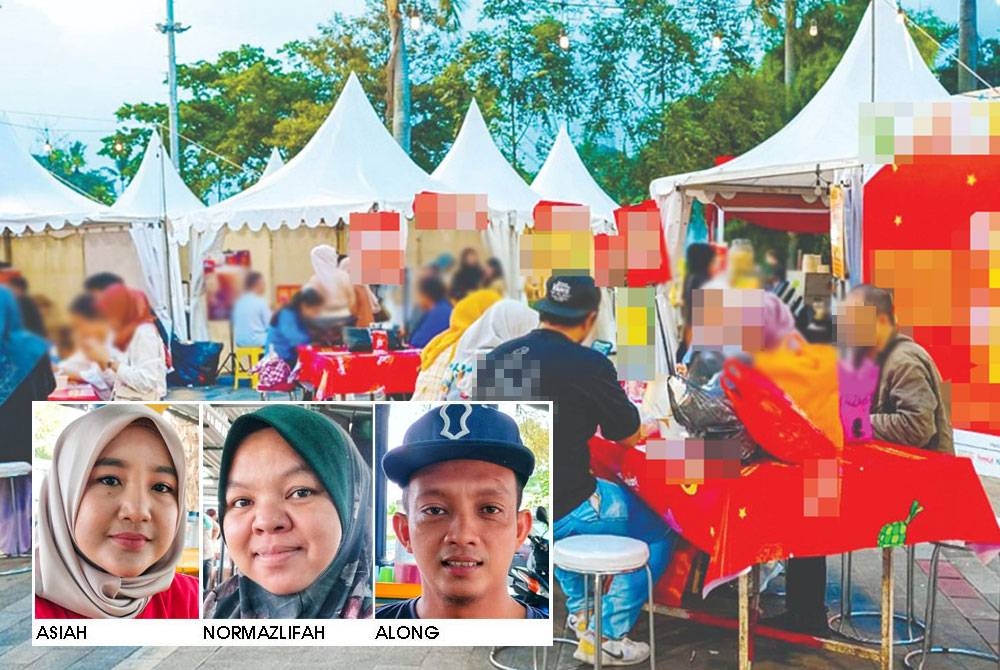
{"points": [[874, 10]]}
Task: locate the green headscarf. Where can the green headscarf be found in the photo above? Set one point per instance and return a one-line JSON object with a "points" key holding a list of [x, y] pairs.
{"points": [[343, 590]]}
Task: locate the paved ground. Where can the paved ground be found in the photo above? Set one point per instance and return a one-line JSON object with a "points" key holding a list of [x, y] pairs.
{"points": [[968, 615]]}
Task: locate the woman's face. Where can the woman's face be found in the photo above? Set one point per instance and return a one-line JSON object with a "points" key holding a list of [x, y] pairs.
{"points": [[280, 523], [128, 515]]}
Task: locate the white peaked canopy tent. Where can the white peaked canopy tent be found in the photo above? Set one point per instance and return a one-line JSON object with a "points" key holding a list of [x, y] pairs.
{"points": [[474, 164], [564, 178], [820, 145], [351, 164], [156, 191], [154, 198], [31, 199], [274, 163]]}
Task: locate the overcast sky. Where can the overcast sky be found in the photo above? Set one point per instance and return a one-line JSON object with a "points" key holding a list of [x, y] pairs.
{"points": [[85, 57]]}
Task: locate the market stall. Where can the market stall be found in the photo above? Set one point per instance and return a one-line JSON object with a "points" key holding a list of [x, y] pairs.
{"points": [[40, 219], [875, 495], [475, 165], [351, 164]]}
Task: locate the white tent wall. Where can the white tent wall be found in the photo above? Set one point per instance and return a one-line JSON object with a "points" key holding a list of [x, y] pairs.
{"points": [[57, 262], [282, 256]]}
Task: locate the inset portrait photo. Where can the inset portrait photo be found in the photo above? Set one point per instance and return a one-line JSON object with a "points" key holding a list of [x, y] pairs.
{"points": [[112, 523], [465, 493], [288, 511]]}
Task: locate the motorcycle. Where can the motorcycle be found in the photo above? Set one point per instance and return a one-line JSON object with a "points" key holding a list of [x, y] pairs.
{"points": [[529, 583]]}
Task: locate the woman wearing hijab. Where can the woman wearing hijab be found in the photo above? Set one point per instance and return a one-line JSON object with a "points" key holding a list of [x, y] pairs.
{"points": [[331, 282], [111, 520], [505, 320], [440, 351], [295, 512], [138, 361], [366, 305], [25, 375]]}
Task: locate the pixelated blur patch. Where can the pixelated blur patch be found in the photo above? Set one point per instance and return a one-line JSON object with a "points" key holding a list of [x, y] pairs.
{"points": [[821, 487], [510, 377], [688, 461], [610, 260], [646, 257], [560, 252], [450, 211], [892, 131], [561, 217], [635, 318], [376, 248], [728, 318]]}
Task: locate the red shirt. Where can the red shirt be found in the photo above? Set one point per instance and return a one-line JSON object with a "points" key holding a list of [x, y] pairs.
{"points": [[180, 601]]}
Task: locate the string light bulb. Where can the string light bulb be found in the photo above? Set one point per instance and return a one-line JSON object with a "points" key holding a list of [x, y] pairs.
{"points": [[415, 22], [564, 41], [119, 147], [717, 41], [47, 147], [900, 14], [813, 28]]}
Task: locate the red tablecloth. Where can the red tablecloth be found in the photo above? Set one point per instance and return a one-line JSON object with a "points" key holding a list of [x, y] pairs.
{"points": [[333, 371], [75, 393], [759, 516]]}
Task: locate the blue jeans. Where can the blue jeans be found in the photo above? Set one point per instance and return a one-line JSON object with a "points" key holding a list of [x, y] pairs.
{"points": [[615, 510]]}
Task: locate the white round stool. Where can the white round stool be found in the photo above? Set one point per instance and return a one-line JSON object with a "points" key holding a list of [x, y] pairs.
{"points": [[601, 556]]}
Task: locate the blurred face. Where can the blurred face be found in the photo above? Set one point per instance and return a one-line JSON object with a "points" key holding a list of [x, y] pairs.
{"points": [[462, 525], [259, 287], [470, 257], [311, 311], [95, 330], [128, 515], [728, 318], [859, 326], [280, 523]]}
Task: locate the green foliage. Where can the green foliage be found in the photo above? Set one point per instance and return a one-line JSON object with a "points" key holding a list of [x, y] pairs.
{"points": [[68, 163], [642, 88]]}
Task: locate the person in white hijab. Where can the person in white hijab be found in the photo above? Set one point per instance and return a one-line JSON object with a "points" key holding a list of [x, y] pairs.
{"points": [[505, 320], [332, 282], [110, 521]]}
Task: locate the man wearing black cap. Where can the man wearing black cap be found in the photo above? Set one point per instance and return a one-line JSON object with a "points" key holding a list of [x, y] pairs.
{"points": [[550, 364], [462, 468]]}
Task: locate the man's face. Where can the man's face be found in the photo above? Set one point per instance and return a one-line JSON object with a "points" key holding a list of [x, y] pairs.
{"points": [[462, 525], [259, 287], [859, 326]]}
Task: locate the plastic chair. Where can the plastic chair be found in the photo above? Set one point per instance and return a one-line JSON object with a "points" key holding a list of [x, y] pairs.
{"points": [[241, 371]]}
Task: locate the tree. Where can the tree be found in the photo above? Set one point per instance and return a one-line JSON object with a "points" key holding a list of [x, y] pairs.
{"points": [[968, 45], [68, 162], [444, 13]]}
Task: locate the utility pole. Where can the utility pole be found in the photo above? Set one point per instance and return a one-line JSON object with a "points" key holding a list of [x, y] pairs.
{"points": [[171, 28]]}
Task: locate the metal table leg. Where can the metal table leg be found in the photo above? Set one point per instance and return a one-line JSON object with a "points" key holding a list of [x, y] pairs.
{"points": [[598, 627], [744, 595], [887, 609]]}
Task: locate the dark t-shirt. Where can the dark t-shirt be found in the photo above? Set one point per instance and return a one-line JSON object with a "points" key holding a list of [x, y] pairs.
{"points": [[407, 609], [584, 388]]}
